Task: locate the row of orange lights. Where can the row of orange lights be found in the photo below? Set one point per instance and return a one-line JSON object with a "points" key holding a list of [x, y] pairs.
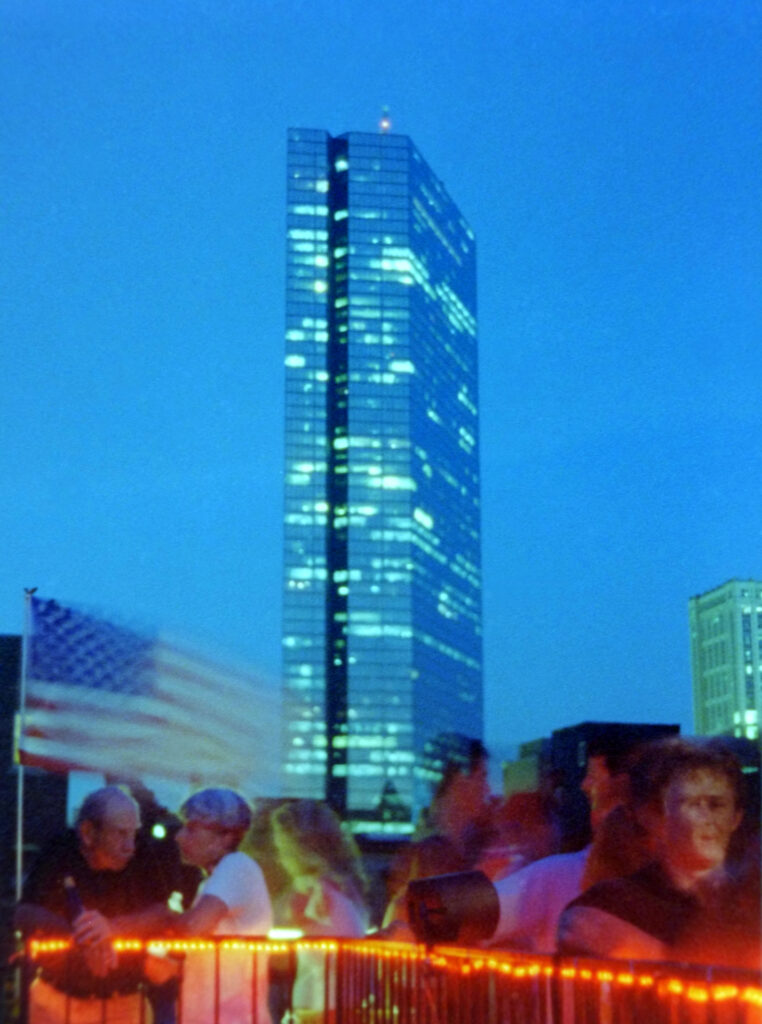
{"points": [[673, 986], [519, 969], [39, 947]]}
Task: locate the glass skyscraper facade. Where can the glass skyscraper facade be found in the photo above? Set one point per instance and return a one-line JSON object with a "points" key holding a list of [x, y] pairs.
{"points": [[382, 607]]}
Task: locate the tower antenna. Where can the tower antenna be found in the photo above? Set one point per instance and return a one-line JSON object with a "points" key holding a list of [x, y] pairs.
{"points": [[385, 124]]}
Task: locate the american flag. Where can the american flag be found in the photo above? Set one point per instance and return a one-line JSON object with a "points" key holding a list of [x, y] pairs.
{"points": [[103, 698]]}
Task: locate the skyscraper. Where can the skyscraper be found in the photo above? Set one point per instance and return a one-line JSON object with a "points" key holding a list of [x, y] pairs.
{"points": [[726, 659], [382, 609]]}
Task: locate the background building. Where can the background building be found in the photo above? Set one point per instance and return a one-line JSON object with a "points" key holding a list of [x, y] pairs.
{"points": [[382, 610], [726, 659]]}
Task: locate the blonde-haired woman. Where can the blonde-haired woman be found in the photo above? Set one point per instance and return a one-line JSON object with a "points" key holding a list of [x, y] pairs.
{"points": [[326, 892]]}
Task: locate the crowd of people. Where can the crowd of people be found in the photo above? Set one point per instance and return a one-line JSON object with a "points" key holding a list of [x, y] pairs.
{"points": [[672, 873]]}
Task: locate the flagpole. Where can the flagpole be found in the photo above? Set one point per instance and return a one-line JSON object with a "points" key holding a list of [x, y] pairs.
{"points": [[28, 592]]}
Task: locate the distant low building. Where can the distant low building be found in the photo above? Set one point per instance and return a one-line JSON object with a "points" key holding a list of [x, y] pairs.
{"points": [[726, 659], [524, 774]]}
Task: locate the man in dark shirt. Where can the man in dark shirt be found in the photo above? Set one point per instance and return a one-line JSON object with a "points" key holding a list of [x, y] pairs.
{"points": [[686, 904], [121, 894]]}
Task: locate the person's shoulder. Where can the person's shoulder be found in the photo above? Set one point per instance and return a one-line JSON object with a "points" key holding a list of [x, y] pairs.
{"points": [[565, 859], [555, 864], [561, 871], [646, 907], [239, 859], [241, 864], [238, 881], [610, 893]]}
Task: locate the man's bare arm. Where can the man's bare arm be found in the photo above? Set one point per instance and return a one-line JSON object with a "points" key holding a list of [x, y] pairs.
{"points": [[91, 926], [202, 918]]}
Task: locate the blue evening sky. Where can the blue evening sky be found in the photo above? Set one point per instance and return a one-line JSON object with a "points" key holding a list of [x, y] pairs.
{"points": [[607, 155]]}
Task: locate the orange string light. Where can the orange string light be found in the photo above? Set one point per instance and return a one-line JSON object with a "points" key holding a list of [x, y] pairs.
{"points": [[457, 961], [698, 994], [752, 995]]}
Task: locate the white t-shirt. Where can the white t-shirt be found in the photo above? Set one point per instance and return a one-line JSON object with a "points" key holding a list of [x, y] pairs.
{"points": [[238, 881], [533, 898]]}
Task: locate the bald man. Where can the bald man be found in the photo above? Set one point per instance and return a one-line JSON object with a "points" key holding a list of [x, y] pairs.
{"points": [[121, 895]]}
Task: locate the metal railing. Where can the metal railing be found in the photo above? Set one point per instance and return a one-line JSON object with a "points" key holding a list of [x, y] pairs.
{"points": [[375, 982]]}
